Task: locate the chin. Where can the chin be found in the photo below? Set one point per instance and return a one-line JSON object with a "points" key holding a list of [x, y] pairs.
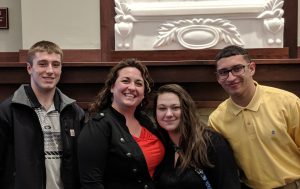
{"points": [[49, 88]]}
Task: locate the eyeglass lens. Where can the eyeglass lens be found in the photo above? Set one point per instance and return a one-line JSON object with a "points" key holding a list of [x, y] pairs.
{"points": [[235, 70]]}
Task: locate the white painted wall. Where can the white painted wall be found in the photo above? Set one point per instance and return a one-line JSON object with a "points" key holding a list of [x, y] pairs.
{"points": [[11, 39], [73, 24]]}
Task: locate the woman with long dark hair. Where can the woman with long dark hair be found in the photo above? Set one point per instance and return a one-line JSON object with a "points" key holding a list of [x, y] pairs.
{"points": [[119, 146], [197, 157]]}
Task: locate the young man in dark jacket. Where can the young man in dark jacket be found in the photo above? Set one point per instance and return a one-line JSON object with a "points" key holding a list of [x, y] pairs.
{"points": [[39, 126]]}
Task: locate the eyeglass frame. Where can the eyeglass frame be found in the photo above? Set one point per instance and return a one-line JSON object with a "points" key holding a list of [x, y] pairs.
{"points": [[231, 70]]}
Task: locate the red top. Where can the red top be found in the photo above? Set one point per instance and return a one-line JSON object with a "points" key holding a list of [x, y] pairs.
{"points": [[152, 148]]}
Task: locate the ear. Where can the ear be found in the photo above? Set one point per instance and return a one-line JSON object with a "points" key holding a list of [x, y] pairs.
{"points": [[112, 88], [29, 68], [252, 67]]}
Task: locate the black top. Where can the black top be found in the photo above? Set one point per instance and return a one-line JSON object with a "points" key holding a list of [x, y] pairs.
{"points": [[224, 174], [109, 157]]}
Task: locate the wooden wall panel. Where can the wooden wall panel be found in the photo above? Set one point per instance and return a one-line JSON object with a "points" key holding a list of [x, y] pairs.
{"points": [[82, 81], [9, 57], [206, 54], [75, 55]]}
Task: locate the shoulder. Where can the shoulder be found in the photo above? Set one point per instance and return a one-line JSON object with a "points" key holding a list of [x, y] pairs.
{"points": [[145, 119], [5, 115], [278, 98], [273, 92], [97, 122], [220, 110], [5, 103], [217, 141], [78, 109], [215, 137], [149, 123]]}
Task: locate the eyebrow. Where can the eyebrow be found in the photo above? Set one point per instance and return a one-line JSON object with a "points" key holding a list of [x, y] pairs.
{"points": [[229, 68]]}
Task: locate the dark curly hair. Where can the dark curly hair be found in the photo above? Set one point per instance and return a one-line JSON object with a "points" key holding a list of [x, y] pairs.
{"points": [[104, 97]]}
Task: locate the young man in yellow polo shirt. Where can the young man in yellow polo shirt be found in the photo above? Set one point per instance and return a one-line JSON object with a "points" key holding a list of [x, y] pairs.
{"points": [[261, 123]]}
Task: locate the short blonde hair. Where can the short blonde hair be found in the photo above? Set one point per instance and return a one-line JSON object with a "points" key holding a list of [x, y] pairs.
{"points": [[43, 46]]}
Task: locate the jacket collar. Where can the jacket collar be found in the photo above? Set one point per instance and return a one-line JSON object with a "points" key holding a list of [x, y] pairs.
{"points": [[25, 95], [141, 116]]}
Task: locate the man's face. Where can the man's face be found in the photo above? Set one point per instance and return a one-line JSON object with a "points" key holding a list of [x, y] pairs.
{"points": [[45, 71], [234, 74]]}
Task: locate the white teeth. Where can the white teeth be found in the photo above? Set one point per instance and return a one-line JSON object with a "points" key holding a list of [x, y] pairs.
{"points": [[129, 95]]}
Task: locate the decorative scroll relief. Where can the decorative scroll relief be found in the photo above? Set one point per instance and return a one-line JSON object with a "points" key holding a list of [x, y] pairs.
{"points": [[273, 20], [124, 25], [197, 24], [198, 33]]}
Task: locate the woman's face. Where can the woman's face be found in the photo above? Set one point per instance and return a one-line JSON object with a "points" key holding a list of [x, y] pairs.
{"points": [[128, 90], [168, 111]]}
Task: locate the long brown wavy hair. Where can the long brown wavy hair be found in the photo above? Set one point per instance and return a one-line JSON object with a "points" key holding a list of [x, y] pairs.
{"points": [[194, 134], [104, 97]]}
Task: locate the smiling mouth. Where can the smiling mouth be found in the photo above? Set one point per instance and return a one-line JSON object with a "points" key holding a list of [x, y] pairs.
{"points": [[233, 84], [48, 79], [129, 95], [170, 121]]}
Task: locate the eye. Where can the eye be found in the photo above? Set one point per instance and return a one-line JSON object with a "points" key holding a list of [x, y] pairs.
{"points": [[222, 72], [43, 63], [161, 109], [176, 108], [125, 80], [237, 68], [139, 83], [56, 64]]}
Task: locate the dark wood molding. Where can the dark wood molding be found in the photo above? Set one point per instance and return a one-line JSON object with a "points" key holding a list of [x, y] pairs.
{"points": [[72, 55], [206, 54], [291, 26], [107, 29], [82, 81], [9, 57]]}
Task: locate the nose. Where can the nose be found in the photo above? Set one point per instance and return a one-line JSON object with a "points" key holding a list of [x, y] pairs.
{"points": [[131, 85], [169, 112], [230, 76], [49, 69]]}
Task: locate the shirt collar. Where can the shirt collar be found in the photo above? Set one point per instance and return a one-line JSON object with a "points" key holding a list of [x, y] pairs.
{"points": [[252, 106]]}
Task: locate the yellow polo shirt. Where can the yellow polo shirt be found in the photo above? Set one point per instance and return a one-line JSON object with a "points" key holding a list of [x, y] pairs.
{"points": [[265, 136]]}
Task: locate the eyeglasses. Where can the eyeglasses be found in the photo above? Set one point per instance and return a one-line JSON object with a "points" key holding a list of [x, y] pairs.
{"points": [[235, 70]]}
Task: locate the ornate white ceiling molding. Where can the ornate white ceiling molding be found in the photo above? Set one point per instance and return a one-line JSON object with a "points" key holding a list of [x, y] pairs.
{"points": [[198, 33], [198, 24], [273, 20], [195, 7]]}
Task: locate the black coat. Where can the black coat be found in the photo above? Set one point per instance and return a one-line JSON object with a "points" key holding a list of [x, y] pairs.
{"points": [[22, 160], [109, 157], [224, 174]]}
